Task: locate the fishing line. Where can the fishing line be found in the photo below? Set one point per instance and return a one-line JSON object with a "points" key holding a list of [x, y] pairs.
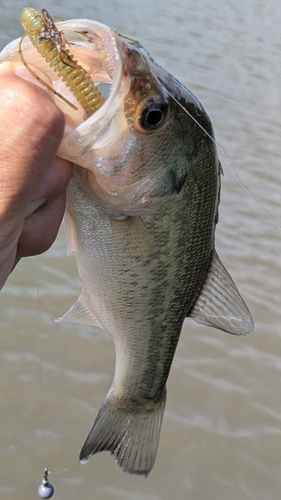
{"points": [[224, 153], [229, 163], [46, 489]]}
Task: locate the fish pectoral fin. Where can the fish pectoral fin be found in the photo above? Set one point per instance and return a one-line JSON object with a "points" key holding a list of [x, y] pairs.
{"points": [[70, 233], [80, 313], [132, 229], [131, 435], [220, 304]]}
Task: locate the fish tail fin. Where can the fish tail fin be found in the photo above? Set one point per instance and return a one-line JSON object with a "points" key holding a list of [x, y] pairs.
{"points": [[131, 436]]}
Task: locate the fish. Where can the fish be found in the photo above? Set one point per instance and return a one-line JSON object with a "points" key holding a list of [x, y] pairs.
{"points": [[141, 214]]}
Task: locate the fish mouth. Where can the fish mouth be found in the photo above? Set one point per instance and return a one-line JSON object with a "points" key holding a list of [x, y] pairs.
{"points": [[99, 51]]}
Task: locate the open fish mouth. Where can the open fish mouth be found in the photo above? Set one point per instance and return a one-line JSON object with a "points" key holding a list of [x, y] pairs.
{"points": [[96, 49]]}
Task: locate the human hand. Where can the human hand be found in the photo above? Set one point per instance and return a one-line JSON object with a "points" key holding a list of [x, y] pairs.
{"points": [[32, 179]]}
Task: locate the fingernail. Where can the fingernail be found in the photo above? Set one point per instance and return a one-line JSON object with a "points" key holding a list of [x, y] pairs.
{"points": [[34, 205], [22, 72], [8, 68]]}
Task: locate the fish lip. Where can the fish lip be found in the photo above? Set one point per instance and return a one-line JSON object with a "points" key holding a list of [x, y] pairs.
{"points": [[113, 53], [79, 140]]}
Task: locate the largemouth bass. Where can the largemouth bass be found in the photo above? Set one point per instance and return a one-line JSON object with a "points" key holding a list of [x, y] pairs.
{"points": [[142, 209]]}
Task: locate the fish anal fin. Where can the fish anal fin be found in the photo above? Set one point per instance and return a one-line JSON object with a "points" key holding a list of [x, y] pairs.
{"points": [[80, 313], [131, 436], [220, 304]]}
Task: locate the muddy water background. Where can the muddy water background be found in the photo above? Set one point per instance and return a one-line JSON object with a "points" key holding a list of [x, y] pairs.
{"points": [[221, 435]]}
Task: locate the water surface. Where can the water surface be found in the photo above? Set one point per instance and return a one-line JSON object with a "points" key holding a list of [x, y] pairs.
{"points": [[221, 435]]}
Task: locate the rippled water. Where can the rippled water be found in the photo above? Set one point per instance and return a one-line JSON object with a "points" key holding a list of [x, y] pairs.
{"points": [[221, 436]]}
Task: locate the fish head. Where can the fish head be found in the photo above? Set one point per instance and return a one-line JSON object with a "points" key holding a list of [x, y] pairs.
{"points": [[142, 157], [134, 153]]}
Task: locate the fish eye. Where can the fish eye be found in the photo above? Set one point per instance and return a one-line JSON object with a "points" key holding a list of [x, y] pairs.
{"points": [[152, 115]]}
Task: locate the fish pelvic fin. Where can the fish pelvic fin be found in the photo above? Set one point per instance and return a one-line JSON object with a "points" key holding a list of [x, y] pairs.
{"points": [[220, 304], [132, 436], [80, 313]]}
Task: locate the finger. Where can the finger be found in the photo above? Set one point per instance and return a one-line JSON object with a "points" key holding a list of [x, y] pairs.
{"points": [[40, 229], [33, 127], [18, 69], [53, 184]]}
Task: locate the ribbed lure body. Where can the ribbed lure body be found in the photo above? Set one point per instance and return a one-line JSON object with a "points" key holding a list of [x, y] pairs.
{"points": [[49, 42]]}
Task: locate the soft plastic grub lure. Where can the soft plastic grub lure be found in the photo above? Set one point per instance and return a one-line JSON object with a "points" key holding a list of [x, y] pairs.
{"points": [[51, 44]]}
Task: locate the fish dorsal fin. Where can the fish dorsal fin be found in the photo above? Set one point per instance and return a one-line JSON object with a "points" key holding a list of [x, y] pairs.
{"points": [[80, 313], [220, 304]]}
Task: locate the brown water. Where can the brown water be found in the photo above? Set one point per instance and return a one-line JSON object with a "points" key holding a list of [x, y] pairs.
{"points": [[221, 435]]}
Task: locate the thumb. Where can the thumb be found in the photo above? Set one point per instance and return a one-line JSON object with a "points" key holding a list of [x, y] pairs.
{"points": [[31, 128]]}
